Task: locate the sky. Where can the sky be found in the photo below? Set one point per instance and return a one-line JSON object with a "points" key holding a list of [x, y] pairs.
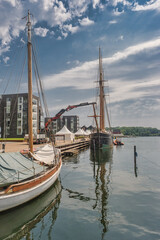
{"points": [[67, 36]]}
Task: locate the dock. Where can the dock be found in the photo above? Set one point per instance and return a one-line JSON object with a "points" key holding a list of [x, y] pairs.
{"points": [[67, 149], [73, 148]]}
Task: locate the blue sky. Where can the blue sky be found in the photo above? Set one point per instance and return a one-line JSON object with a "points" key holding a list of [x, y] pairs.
{"points": [[68, 34]]}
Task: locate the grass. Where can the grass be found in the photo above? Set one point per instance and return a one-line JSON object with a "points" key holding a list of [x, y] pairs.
{"points": [[12, 139]]}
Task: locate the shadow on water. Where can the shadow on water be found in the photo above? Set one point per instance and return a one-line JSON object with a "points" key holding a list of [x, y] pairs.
{"points": [[17, 223], [102, 161]]}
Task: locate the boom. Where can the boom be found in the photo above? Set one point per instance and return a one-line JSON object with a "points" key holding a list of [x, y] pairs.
{"points": [[58, 115]]}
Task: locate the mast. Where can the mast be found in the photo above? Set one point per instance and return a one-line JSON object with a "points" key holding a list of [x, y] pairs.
{"points": [[30, 126], [101, 96]]}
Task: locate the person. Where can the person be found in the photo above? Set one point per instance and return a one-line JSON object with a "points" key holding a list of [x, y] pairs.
{"points": [[3, 147]]}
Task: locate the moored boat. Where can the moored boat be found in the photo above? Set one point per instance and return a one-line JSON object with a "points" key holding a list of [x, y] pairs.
{"points": [[101, 138], [24, 177]]}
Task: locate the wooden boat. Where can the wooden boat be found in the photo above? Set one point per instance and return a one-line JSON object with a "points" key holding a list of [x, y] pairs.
{"points": [[33, 213], [101, 138], [33, 177]]}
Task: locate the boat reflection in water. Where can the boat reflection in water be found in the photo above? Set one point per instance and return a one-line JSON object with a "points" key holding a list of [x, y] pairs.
{"points": [[18, 222], [102, 161]]}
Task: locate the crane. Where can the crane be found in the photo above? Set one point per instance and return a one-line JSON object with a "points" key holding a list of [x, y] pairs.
{"points": [[58, 115]]}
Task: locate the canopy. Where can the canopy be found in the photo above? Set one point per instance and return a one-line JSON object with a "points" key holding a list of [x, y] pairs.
{"points": [[66, 133], [88, 132], [15, 167], [80, 132]]}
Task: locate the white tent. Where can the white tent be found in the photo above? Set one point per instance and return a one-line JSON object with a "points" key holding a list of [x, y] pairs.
{"points": [[80, 132], [88, 132], [64, 135]]}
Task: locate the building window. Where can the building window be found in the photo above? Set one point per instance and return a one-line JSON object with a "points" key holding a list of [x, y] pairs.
{"points": [[8, 123], [20, 99], [19, 131], [19, 123], [19, 115]]}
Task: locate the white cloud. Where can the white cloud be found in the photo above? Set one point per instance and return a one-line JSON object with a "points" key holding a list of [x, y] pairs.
{"points": [[6, 59], [78, 7], [4, 49], [112, 22], [134, 50], [96, 3], [121, 37], [86, 22], [150, 5], [71, 28], [82, 76], [117, 13], [41, 31], [115, 2], [13, 2]]}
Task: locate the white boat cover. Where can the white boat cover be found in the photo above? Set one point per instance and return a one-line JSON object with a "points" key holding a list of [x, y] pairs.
{"points": [[16, 167], [46, 154]]}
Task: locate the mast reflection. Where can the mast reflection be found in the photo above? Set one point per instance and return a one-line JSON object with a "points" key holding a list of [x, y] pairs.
{"points": [[21, 221], [102, 161]]}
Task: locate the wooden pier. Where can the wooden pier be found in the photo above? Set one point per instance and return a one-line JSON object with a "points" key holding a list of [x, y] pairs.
{"points": [[73, 148]]}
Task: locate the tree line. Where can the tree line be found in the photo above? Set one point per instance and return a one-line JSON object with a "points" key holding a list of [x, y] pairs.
{"points": [[137, 131]]}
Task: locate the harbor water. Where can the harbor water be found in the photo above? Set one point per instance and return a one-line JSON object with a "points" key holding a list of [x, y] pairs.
{"points": [[99, 195]]}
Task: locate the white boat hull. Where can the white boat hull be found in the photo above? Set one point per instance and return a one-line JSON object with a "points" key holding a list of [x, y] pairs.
{"points": [[8, 201]]}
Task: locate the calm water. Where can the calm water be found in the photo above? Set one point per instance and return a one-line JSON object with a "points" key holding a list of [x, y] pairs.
{"points": [[99, 197]]}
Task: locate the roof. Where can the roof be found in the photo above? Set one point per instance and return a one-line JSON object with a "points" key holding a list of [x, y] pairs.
{"points": [[64, 131], [80, 132]]}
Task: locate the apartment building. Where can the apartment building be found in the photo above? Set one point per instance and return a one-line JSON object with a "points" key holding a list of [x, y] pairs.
{"points": [[14, 115]]}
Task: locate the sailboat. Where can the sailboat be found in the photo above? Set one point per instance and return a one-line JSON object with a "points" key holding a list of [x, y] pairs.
{"points": [[24, 177], [101, 138]]}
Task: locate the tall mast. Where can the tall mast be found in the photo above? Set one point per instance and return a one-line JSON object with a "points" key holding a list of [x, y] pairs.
{"points": [[30, 85], [101, 96]]}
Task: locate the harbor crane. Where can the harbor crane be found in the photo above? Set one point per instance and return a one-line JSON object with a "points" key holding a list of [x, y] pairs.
{"points": [[58, 115]]}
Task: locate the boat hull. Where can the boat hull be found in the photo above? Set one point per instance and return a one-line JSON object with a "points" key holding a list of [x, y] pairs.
{"points": [[100, 140], [16, 198]]}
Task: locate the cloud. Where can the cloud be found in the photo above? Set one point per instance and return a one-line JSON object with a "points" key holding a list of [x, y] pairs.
{"points": [[41, 31], [116, 12], [4, 49], [150, 5], [116, 2], [96, 3], [134, 50], [121, 37], [71, 28], [6, 59], [112, 22], [86, 22], [82, 76]]}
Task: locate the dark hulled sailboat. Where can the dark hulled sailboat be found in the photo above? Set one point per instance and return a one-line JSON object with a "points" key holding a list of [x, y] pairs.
{"points": [[101, 138]]}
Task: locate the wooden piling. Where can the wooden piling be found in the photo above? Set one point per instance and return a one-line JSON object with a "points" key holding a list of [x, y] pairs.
{"points": [[135, 161]]}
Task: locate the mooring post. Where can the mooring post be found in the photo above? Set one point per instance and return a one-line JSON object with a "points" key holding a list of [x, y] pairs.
{"points": [[135, 161]]}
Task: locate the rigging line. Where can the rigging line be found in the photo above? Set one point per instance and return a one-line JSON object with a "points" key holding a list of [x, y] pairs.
{"points": [[41, 87], [40, 82], [12, 57], [17, 55], [38, 88], [20, 80], [108, 116], [43, 97]]}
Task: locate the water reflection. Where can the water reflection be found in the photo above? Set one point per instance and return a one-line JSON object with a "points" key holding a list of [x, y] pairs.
{"points": [[19, 222], [102, 161]]}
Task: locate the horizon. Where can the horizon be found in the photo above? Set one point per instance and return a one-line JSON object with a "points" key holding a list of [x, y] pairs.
{"points": [[68, 35]]}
